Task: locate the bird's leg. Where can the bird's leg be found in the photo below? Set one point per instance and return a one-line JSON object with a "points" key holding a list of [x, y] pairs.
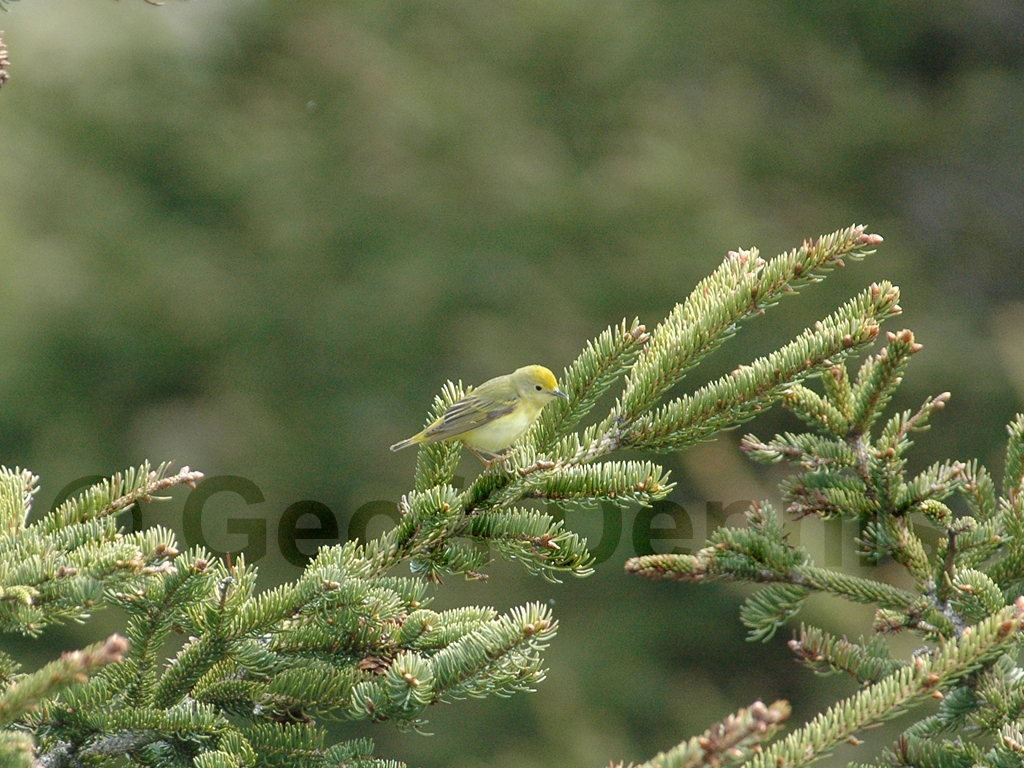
{"points": [[487, 464], [495, 458]]}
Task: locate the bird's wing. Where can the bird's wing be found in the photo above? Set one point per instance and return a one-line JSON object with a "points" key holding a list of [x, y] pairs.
{"points": [[467, 414]]}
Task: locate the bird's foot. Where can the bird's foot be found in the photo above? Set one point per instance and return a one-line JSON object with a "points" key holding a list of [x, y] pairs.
{"points": [[494, 459]]}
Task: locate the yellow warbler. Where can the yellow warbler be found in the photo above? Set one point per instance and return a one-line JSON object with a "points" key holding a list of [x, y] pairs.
{"points": [[491, 417]]}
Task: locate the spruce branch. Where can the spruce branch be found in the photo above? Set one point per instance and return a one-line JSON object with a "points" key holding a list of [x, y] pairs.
{"points": [[738, 397], [961, 590], [904, 688], [819, 413], [1013, 477], [1008, 570], [703, 567], [348, 640], [866, 661], [728, 742], [811, 451], [17, 488], [58, 568], [500, 658], [140, 731], [848, 474], [978, 491], [878, 379], [285, 746], [639, 482], [839, 394], [744, 285], [769, 608], [760, 553], [539, 542], [117, 493], [603, 362], [893, 441], [25, 694], [155, 611]]}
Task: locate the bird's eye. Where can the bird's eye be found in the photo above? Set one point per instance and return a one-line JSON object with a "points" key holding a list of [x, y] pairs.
{"points": [[539, 387]]}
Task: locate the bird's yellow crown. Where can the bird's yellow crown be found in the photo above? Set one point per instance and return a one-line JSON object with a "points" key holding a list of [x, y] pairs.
{"points": [[535, 375]]}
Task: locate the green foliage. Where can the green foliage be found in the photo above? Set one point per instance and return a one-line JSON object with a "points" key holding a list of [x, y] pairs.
{"points": [[867, 662], [58, 568], [947, 665], [626, 139], [966, 599], [349, 641], [729, 742]]}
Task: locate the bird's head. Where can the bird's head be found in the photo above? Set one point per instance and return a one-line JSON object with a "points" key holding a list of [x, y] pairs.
{"points": [[536, 383]]}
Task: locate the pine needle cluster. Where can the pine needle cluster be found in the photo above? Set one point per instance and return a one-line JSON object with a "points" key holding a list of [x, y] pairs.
{"points": [[353, 639], [966, 599]]}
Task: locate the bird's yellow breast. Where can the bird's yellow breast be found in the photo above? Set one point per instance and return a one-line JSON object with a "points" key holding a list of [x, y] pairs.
{"points": [[497, 435]]}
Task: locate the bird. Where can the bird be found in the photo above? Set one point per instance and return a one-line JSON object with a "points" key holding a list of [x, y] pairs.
{"points": [[491, 417]]}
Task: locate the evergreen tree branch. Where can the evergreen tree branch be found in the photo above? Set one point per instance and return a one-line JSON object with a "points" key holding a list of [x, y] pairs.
{"points": [[695, 568], [979, 491], [603, 362], [1013, 476], [17, 487], [501, 657], [539, 542], [819, 413], [1010, 568], [548, 462], [73, 667], [287, 745], [154, 613], [348, 641], [867, 662], [878, 379], [738, 397], [761, 554], [743, 286], [888, 697], [771, 607], [728, 742], [117, 493], [57, 569]]}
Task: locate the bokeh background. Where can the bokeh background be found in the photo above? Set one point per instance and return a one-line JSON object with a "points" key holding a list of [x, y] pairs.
{"points": [[256, 237]]}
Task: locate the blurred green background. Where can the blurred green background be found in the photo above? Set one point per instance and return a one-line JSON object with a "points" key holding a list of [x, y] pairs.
{"points": [[257, 237]]}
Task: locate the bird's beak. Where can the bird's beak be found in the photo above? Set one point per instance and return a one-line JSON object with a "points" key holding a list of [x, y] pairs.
{"points": [[561, 394]]}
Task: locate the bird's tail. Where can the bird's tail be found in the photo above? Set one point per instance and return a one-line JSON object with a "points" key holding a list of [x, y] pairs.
{"points": [[404, 444]]}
